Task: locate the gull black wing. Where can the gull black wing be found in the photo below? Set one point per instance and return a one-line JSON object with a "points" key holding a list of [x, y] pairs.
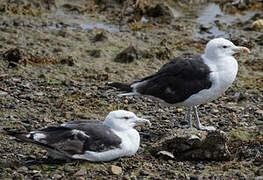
{"points": [[177, 80], [69, 141]]}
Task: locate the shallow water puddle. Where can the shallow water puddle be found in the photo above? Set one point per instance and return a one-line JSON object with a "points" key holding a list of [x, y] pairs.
{"points": [[72, 22], [212, 13]]}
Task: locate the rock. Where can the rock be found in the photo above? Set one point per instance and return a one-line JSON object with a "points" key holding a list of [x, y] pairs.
{"points": [[134, 178], [115, 170], [81, 172], [13, 56], [57, 176], [258, 24], [37, 175], [198, 177], [259, 111], [69, 61], [205, 29], [258, 178], [107, 2], [144, 173], [214, 111], [158, 10], [199, 166], [95, 53], [22, 169], [193, 144], [99, 37], [3, 93], [179, 110], [80, 178], [259, 171], [127, 55]]}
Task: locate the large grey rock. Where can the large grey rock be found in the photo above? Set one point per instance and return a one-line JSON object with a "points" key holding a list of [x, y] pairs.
{"points": [[192, 144]]}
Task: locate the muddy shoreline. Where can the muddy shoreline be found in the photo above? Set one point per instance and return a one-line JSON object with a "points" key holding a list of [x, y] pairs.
{"points": [[67, 56]]}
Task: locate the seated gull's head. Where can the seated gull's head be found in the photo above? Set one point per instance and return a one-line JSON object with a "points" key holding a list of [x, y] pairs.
{"points": [[122, 120], [220, 47]]}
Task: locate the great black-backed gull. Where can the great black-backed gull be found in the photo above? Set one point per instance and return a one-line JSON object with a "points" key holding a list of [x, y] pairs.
{"points": [[90, 140], [192, 80]]}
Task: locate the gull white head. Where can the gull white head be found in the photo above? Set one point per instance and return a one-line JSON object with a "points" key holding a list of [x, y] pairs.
{"points": [[123, 120], [221, 47]]}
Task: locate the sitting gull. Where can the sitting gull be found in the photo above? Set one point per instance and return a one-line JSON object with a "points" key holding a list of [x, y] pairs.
{"points": [[192, 80], [89, 140]]}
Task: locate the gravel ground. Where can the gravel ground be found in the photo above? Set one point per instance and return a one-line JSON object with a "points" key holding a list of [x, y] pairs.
{"points": [[56, 58]]}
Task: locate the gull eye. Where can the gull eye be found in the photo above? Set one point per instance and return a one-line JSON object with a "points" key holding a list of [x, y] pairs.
{"points": [[225, 47], [126, 117]]}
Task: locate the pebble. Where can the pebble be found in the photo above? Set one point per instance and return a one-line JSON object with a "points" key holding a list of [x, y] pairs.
{"points": [[81, 172], [258, 178], [258, 24], [3, 93], [260, 172], [115, 170], [57, 176], [259, 112], [37, 175], [134, 178], [179, 110], [22, 169], [198, 177], [199, 166], [80, 178], [144, 173], [33, 167], [214, 111]]}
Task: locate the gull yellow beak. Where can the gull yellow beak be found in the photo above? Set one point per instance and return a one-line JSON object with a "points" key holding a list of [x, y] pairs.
{"points": [[241, 49], [141, 121]]}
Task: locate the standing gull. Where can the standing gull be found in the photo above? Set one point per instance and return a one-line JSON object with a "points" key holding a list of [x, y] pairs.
{"points": [[192, 80], [90, 140]]}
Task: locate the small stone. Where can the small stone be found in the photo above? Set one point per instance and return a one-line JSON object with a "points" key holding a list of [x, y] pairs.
{"points": [[199, 166], [68, 61], [57, 176], [68, 170], [32, 167], [259, 172], [22, 169], [81, 172], [99, 37], [172, 172], [13, 56], [258, 178], [259, 112], [37, 175], [39, 93], [115, 170], [158, 11], [134, 178], [127, 55], [3, 93], [80, 178], [198, 177], [258, 24], [95, 53], [179, 110], [144, 173], [214, 111], [125, 178]]}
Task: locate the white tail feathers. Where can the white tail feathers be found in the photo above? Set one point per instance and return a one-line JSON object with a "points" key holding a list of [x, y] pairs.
{"points": [[133, 86], [128, 94]]}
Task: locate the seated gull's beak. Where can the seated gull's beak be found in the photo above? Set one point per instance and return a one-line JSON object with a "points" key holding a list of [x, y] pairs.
{"points": [[141, 121], [241, 49]]}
